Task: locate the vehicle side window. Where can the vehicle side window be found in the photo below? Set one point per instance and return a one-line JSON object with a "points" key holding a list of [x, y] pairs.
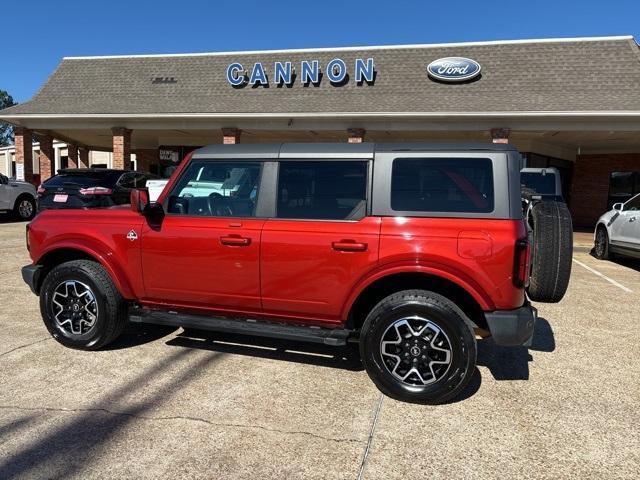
{"points": [[442, 185], [633, 204], [128, 180], [3, 180], [217, 189], [325, 190]]}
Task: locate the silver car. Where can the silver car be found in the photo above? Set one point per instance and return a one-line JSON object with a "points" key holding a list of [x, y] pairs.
{"points": [[618, 230]]}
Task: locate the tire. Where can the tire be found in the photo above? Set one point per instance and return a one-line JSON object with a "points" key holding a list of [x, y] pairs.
{"points": [[601, 246], [551, 251], [101, 314], [24, 208], [435, 324]]}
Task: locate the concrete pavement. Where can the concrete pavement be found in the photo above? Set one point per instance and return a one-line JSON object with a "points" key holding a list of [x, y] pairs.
{"points": [[166, 403]]}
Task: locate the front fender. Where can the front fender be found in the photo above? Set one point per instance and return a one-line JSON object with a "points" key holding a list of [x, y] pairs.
{"points": [[103, 254]]}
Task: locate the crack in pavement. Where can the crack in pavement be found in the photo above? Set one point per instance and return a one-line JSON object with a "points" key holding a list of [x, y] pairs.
{"points": [[24, 346], [372, 432], [180, 417]]}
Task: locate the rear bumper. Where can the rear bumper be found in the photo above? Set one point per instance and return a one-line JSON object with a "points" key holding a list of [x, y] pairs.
{"points": [[512, 328], [31, 275]]}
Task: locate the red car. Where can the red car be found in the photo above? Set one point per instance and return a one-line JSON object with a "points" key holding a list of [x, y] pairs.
{"points": [[409, 249]]}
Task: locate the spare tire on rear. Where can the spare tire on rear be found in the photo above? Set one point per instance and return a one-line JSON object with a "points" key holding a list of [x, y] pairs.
{"points": [[551, 251]]}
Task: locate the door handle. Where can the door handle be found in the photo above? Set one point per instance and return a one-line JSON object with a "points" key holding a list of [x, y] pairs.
{"points": [[349, 246], [235, 241], [632, 219]]}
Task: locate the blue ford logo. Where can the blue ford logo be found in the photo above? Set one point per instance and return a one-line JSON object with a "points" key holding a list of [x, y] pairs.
{"points": [[453, 69]]}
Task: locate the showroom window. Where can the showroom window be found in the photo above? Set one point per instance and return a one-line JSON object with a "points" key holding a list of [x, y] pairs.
{"points": [[327, 190], [622, 186], [217, 189], [442, 185]]}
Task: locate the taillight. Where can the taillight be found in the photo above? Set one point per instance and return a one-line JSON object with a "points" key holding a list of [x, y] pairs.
{"points": [[28, 245], [522, 263], [41, 189], [96, 191]]}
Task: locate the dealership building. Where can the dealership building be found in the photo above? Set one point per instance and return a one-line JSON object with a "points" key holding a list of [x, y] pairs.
{"points": [[573, 104]]}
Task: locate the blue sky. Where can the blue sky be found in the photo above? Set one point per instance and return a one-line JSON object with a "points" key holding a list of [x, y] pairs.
{"points": [[39, 33]]}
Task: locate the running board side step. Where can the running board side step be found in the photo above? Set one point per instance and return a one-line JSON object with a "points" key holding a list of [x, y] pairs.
{"points": [[334, 337]]}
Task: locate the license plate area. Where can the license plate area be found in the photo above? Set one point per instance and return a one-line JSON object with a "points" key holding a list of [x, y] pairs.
{"points": [[60, 197]]}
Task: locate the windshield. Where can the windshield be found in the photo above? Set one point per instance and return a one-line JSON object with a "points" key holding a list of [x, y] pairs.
{"points": [[542, 184], [84, 179]]}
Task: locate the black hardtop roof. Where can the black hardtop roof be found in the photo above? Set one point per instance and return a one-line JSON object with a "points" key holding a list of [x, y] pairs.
{"points": [[337, 150]]}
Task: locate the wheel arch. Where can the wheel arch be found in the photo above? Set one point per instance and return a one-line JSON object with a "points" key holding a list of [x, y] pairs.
{"points": [[368, 295], [65, 253]]}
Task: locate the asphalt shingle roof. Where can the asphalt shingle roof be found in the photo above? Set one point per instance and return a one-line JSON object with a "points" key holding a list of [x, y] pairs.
{"points": [[577, 76]]}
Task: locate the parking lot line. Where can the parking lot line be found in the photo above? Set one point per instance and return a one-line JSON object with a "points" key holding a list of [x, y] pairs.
{"points": [[610, 280]]}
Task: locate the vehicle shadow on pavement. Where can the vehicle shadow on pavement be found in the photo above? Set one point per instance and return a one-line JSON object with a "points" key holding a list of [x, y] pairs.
{"points": [[138, 334], [512, 363], [627, 262], [91, 427], [9, 218], [346, 358]]}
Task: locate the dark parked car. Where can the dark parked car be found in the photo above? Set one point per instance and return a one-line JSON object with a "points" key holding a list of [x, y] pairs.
{"points": [[89, 187]]}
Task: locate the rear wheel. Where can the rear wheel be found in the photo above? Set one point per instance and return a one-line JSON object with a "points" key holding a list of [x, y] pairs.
{"points": [[81, 306], [25, 207], [417, 347], [601, 247]]}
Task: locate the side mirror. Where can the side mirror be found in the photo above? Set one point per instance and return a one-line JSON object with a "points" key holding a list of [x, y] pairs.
{"points": [[139, 200], [618, 206]]}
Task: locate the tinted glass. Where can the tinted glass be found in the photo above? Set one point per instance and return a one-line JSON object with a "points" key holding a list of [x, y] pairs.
{"points": [[633, 204], [543, 184], [217, 189], [442, 185], [128, 180], [84, 179], [322, 190]]}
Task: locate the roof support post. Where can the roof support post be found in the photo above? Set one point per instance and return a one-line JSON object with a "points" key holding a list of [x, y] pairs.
{"points": [[24, 152], [83, 157], [231, 136], [72, 155], [500, 135], [356, 135], [121, 148], [46, 157]]}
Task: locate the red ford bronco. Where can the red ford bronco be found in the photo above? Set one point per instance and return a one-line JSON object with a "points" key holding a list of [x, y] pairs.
{"points": [[412, 250]]}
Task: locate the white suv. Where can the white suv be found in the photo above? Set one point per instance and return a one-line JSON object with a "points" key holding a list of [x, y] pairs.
{"points": [[17, 197], [618, 230]]}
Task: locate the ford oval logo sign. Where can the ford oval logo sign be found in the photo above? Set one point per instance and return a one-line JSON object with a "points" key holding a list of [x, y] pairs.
{"points": [[453, 69]]}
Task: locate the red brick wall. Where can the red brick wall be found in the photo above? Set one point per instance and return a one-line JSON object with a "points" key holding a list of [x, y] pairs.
{"points": [[590, 185], [145, 158]]}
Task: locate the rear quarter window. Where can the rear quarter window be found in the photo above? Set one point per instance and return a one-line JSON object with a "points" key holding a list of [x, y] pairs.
{"points": [[442, 185]]}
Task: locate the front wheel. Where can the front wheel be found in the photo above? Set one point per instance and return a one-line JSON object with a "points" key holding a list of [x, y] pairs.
{"points": [[601, 247], [81, 306], [417, 347]]}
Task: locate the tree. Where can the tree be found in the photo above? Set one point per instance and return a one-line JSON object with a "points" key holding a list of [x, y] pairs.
{"points": [[6, 131]]}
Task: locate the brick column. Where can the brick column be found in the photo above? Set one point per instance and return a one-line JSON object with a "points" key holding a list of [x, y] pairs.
{"points": [[500, 135], [83, 157], [356, 135], [24, 151], [72, 155], [231, 136], [121, 148], [47, 157]]}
